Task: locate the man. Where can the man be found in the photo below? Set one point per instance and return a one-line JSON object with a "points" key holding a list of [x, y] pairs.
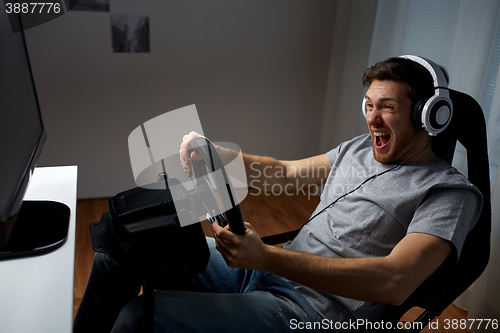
{"points": [[400, 215]]}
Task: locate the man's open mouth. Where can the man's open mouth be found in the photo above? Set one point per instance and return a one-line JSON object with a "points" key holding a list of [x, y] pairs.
{"points": [[381, 139]]}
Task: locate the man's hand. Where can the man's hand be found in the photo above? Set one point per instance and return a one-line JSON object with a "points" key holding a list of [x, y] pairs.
{"points": [[242, 251], [184, 152]]}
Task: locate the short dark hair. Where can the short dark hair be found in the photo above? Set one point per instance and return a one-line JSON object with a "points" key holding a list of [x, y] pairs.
{"points": [[404, 70]]}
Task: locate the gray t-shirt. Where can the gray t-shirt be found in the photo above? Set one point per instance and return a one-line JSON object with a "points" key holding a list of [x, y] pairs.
{"points": [[428, 197]]}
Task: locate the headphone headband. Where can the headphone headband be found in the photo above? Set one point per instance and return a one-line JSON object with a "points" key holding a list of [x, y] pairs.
{"points": [[439, 80]]}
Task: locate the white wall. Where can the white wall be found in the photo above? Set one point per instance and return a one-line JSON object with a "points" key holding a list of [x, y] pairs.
{"points": [[257, 71], [350, 52]]}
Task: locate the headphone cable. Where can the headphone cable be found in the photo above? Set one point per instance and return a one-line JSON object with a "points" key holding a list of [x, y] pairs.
{"points": [[365, 181]]}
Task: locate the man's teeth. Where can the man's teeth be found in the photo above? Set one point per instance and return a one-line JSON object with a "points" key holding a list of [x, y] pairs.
{"points": [[381, 138]]}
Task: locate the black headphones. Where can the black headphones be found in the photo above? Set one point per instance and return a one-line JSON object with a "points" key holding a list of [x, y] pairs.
{"points": [[433, 114]]}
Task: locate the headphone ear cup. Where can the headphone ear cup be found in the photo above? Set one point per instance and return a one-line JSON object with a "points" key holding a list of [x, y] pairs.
{"points": [[440, 115], [416, 113], [363, 107]]}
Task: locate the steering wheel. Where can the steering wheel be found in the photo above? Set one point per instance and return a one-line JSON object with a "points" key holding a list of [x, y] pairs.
{"points": [[212, 161]]}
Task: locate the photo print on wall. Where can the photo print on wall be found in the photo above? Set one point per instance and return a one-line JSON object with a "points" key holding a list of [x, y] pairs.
{"points": [[130, 33], [91, 5]]}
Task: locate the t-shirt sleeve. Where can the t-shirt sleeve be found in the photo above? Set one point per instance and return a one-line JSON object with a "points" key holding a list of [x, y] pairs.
{"points": [[353, 145], [333, 154], [448, 213]]}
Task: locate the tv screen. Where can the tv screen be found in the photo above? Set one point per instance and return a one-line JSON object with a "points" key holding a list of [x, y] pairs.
{"points": [[21, 130]]}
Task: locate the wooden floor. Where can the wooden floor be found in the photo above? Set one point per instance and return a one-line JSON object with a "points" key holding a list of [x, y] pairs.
{"points": [[260, 210]]}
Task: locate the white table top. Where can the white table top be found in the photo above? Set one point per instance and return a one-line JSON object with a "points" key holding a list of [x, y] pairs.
{"points": [[36, 293]]}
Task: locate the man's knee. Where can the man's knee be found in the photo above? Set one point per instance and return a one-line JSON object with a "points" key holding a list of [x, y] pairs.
{"points": [[130, 317], [100, 259], [104, 264]]}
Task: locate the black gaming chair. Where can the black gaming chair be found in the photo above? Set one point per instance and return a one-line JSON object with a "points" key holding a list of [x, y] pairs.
{"points": [[450, 281]]}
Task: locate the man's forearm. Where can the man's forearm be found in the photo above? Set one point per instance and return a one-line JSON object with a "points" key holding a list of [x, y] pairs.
{"points": [[370, 279], [262, 171], [259, 169], [390, 279]]}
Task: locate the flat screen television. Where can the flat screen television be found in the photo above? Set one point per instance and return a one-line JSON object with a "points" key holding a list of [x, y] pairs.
{"points": [[23, 225]]}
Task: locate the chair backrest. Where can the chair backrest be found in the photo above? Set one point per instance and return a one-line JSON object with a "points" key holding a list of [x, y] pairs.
{"points": [[450, 281]]}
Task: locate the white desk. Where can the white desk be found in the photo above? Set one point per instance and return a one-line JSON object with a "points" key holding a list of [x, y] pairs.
{"points": [[36, 293]]}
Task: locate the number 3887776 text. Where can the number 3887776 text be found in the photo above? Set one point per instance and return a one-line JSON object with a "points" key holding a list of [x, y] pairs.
{"points": [[33, 8]]}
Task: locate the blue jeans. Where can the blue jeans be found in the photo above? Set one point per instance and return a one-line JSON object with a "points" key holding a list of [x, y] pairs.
{"points": [[222, 299]]}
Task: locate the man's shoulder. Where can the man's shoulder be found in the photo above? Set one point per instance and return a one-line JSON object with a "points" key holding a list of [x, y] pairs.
{"points": [[361, 143], [358, 142], [446, 176]]}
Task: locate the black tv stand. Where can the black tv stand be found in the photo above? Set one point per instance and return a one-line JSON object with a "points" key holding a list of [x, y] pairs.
{"points": [[40, 227]]}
